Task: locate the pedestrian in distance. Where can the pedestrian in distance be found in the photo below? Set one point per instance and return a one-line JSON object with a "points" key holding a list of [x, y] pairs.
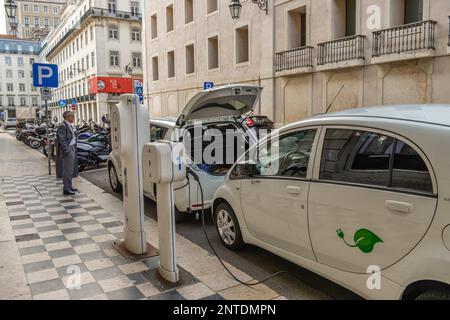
{"points": [[66, 153]]}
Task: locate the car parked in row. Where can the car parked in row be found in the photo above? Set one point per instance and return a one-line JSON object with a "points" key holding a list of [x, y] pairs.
{"points": [[10, 123], [361, 197], [221, 110]]}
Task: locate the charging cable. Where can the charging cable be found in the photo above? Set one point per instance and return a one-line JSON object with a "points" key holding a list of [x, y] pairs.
{"points": [[196, 178]]}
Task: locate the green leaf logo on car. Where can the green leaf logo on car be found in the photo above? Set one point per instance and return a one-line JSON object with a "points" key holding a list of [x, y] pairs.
{"points": [[365, 240]]}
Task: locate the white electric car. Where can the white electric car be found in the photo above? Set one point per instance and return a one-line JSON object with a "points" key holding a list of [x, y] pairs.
{"points": [[219, 109], [361, 197]]}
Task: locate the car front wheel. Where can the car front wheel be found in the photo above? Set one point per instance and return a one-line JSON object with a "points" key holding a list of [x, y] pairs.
{"points": [[114, 180], [227, 226], [435, 295]]}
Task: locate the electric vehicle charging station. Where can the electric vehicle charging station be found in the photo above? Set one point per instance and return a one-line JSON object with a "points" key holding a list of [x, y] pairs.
{"points": [[129, 133], [164, 161]]}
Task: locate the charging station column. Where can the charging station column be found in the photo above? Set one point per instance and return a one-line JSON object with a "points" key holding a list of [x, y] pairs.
{"points": [[129, 133], [165, 163]]}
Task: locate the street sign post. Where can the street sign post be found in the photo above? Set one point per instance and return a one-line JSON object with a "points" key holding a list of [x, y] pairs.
{"points": [[139, 89], [45, 76]]}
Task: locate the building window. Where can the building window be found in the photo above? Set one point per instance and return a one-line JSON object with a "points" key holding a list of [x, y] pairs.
{"points": [[135, 9], [9, 73], [188, 11], [35, 8], [22, 87], [212, 6], [26, 21], [297, 28], [91, 30], [35, 102], [155, 68], [114, 57], [25, 8], [21, 74], [154, 26], [169, 18], [55, 22], [93, 59], [46, 24], [344, 19], [190, 59], [55, 10], [242, 45], [112, 6], [23, 101], [213, 53], [36, 22], [350, 18], [137, 60], [45, 9], [11, 102], [113, 32], [8, 61], [171, 64], [413, 11], [87, 62], [136, 35]]}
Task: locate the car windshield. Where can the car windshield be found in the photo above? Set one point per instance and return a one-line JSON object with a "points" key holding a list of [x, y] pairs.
{"points": [[11, 119]]}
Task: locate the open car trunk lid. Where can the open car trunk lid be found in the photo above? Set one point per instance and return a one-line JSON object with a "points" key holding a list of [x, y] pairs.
{"points": [[231, 100]]}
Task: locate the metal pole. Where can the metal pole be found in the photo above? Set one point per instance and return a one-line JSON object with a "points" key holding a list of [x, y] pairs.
{"points": [[48, 140]]}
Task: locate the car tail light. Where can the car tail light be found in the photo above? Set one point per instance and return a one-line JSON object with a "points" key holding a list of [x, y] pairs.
{"points": [[250, 123]]}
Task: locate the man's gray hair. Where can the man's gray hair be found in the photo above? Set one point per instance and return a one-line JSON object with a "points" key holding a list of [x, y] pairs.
{"points": [[68, 114]]}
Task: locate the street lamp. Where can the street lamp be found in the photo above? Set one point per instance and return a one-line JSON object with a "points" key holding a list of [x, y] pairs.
{"points": [[129, 70], [236, 7], [11, 11]]}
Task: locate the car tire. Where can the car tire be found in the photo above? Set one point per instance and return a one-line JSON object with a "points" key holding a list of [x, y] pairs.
{"points": [[439, 294], [228, 227], [114, 179]]}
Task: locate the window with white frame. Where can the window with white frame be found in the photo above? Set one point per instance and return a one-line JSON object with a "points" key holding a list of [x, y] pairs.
{"points": [[23, 101], [136, 35], [134, 9], [113, 31], [114, 58], [137, 60], [11, 102]]}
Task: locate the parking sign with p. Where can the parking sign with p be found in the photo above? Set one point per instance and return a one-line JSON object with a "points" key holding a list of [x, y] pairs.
{"points": [[45, 75]]}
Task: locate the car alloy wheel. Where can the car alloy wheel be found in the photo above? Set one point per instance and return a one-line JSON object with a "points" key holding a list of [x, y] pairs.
{"points": [[226, 228], [114, 180]]}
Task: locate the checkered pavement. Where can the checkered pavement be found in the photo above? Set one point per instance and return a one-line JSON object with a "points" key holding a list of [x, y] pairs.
{"points": [[57, 235]]}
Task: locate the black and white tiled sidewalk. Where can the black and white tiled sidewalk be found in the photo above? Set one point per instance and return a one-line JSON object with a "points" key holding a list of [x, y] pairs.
{"points": [[57, 235]]}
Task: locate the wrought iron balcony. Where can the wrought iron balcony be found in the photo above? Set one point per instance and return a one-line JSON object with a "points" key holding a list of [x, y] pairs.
{"points": [[345, 49], [294, 59], [407, 38]]}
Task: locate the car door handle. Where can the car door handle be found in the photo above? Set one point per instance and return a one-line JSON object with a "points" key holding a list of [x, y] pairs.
{"points": [[398, 206], [256, 181], [294, 190]]}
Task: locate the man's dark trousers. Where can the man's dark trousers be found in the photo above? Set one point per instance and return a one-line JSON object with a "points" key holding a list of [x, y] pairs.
{"points": [[68, 165]]}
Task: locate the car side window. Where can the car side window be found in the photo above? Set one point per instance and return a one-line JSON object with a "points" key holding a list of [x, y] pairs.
{"points": [[287, 157], [410, 171], [369, 158]]}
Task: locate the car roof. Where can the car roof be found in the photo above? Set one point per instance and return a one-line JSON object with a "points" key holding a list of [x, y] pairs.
{"points": [[166, 122], [431, 114]]}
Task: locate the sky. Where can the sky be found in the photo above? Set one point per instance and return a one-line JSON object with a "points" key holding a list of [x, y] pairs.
{"points": [[2, 17]]}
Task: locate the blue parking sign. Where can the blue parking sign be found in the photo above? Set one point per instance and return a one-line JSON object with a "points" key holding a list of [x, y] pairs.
{"points": [[45, 75], [208, 85]]}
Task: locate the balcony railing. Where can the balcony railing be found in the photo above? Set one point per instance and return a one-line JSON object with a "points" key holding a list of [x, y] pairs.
{"points": [[294, 59], [349, 48], [407, 38]]}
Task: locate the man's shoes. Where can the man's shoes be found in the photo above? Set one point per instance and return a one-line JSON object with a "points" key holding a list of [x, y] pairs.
{"points": [[69, 193], [74, 190]]}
